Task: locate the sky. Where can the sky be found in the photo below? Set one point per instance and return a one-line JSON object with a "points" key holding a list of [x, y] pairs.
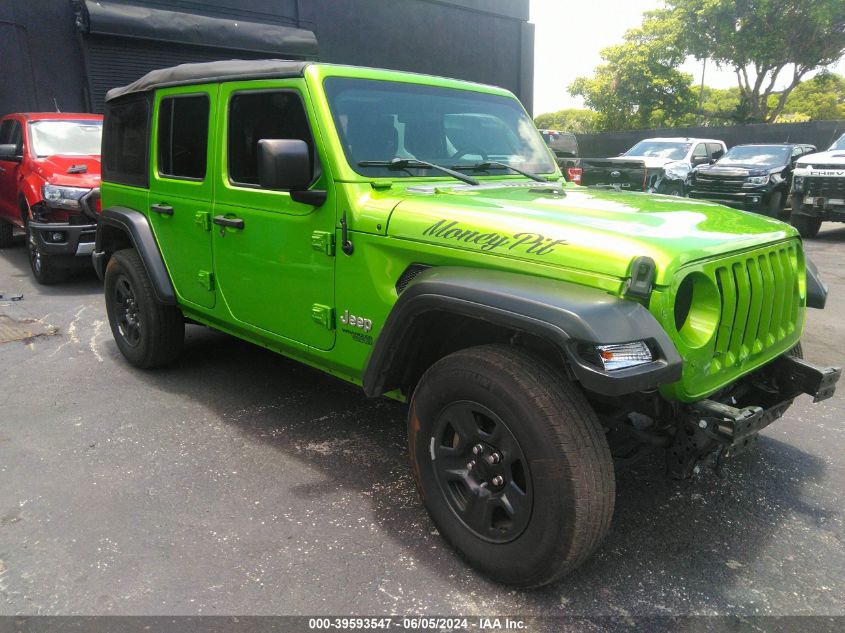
{"points": [[570, 35]]}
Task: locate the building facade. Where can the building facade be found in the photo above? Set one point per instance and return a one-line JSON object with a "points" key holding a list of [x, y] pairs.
{"points": [[66, 54]]}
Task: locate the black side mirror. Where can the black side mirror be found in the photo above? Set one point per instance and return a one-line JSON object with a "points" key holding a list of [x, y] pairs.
{"points": [[700, 160], [11, 152], [285, 165]]}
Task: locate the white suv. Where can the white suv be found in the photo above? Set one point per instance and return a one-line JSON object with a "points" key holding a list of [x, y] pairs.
{"points": [[668, 160]]}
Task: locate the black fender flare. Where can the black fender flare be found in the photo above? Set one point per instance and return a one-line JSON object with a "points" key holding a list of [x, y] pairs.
{"points": [[563, 313], [816, 289], [135, 226]]}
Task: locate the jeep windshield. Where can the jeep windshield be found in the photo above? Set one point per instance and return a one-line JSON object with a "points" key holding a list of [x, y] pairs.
{"points": [[81, 138], [659, 149], [381, 121], [757, 156]]}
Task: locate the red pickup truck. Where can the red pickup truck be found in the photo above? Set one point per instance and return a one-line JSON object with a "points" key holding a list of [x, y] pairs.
{"points": [[49, 187]]}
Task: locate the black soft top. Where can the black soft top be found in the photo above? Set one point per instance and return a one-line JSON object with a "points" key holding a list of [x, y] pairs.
{"points": [[212, 72]]}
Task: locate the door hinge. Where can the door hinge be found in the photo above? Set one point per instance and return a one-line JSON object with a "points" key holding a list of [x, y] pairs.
{"points": [[324, 315], [203, 220], [323, 241], [206, 280]]}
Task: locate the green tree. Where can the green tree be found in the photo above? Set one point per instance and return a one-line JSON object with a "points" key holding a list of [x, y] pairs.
{"points": [[638, 85], [819, 98], [765, 42], [577, 121]]}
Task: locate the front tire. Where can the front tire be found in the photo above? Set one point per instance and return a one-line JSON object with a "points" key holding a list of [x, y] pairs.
{"points": [[148, 333], [6, 233], [807, 226], [43, 267], [774, 207], [674, 189], [511, 463]]}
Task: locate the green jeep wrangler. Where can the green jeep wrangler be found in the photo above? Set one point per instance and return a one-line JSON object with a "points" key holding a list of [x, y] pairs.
{"points": [[411, 235]]}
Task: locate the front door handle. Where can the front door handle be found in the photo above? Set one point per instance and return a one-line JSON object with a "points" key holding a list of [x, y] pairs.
{"points": [[222, 220], [164, 209], [2, 170]]}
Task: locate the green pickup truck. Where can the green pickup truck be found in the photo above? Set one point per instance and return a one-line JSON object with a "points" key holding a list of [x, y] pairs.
{"points": [[411, 235]]}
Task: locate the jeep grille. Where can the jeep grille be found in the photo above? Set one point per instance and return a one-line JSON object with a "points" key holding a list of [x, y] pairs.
{"points": [[759, 316], [760, 303]]}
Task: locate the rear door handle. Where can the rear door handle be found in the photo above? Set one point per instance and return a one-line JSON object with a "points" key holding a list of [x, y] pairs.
{"points": [[164, 209], [222, 220]]}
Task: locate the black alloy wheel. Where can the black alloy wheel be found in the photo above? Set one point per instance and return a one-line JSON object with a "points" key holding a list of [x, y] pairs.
{"points": [[482, 472], [129, 320]]}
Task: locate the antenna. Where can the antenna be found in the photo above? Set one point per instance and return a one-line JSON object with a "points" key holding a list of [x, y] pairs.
{"points": [[56, 103]]}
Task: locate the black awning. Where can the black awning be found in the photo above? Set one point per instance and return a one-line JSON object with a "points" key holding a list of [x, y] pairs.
{"points": [[105, 17]]}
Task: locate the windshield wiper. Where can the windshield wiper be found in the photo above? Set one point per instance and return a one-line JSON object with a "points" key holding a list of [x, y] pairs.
{"points": [[413, 163], [492, 164]]}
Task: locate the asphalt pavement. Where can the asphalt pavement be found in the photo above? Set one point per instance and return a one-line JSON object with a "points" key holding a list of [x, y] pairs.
{"points": [[238, 482]]}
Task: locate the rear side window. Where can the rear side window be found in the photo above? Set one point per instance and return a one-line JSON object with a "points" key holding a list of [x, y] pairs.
{"points": [[126, 135], [254, 116], [183, 136], [715, 150]]}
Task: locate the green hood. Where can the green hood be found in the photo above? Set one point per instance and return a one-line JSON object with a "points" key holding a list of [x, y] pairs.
{"points": [[585, 229]]}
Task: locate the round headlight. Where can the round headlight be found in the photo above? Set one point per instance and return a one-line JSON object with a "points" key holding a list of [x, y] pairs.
{"points": [[698, 306]]}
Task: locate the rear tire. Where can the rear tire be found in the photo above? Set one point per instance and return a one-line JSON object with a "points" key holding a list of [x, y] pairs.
{"points": [[807, 226], [6, 233], [148, 333], [555, 501]]}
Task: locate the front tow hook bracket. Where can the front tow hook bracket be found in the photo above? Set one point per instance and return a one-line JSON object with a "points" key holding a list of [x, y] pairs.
{"points": [[797, 375]]}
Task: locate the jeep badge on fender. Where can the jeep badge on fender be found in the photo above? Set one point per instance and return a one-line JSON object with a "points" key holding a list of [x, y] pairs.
{"points": [[529, 324], [356, 321]]}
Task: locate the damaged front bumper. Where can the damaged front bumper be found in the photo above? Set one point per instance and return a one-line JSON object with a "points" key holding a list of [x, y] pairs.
{"points": [[62, 238], [712, 428]]}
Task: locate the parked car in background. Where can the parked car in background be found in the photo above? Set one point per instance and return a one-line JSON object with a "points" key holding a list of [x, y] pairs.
{"points": [[613, 173], [755, 177], [818, 189], [49, 179], [669, 160], [564, 145]]}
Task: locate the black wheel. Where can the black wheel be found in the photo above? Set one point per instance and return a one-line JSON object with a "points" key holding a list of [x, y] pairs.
{"points": [[674, 189], [6, 233], [775, 205], [44, 268], [511, 463], [807, 226], [148, 333]]}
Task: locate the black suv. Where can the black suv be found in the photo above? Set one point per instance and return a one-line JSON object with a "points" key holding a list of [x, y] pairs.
{"points": [[752, 177]]}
